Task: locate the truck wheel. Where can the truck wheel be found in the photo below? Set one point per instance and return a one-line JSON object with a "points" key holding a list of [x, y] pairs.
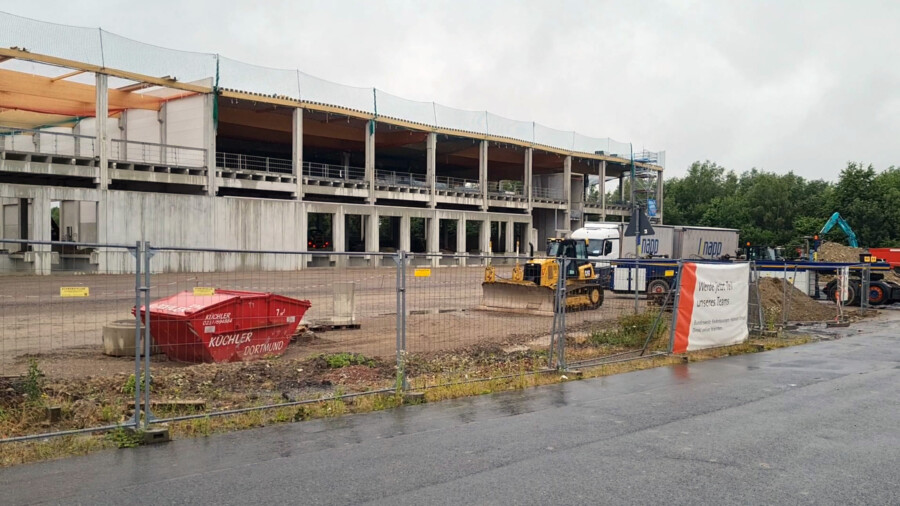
{"points": [[855, 293], [877, 294], [832, 293], [657, 287]]}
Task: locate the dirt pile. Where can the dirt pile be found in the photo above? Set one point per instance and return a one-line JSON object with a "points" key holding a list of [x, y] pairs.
{"points": [[799, 308], [836, 252]]}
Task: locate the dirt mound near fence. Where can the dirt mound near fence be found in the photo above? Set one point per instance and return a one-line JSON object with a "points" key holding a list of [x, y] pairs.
{"points": [[799, 308]]}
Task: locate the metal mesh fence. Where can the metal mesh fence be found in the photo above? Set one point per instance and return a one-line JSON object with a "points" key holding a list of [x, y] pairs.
{"points": [[237, 330]]}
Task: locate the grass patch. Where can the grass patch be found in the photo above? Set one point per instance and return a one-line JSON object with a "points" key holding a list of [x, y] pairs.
{"points": [[630, 332], [338, 360]]}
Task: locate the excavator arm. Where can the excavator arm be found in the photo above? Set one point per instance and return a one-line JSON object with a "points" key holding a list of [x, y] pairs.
{"points": [[836, 219]]}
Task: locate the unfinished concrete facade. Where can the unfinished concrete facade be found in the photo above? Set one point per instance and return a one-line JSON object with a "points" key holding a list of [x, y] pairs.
{"points": [[126, 156]]}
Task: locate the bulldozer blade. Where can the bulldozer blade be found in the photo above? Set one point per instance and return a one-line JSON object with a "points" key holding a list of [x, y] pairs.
{"points": [[524, 298]]}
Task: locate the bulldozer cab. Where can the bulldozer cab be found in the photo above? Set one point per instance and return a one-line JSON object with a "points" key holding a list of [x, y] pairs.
{"points": [[573, 249]]}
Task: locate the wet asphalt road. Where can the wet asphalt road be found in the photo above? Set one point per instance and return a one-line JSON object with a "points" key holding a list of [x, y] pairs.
{"points": [[814, 424]]}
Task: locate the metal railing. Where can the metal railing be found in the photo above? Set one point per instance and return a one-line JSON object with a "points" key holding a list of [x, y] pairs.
{"points": [[328, 171], [547, 193], [506, 189], [252, 163], [47, 143], [456, 184], [153, 153], [391, 178]]}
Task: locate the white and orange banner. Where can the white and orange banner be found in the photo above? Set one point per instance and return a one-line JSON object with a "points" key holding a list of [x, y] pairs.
{"points": [[712, 306]]}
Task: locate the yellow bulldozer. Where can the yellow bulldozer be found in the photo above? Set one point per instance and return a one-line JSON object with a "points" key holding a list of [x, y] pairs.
{"points": [[532, 288]]}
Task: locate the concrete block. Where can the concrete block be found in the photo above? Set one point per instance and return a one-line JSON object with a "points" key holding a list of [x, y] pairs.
{"points": [[344, 303], [118, 339], [156, 435], [413, 397]]}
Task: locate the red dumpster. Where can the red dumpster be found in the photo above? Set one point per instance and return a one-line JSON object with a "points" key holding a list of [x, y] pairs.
{"points": [[227, 326]]}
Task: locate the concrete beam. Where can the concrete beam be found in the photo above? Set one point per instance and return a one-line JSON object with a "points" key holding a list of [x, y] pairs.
{"points": [[101, 111], [297, 149]]}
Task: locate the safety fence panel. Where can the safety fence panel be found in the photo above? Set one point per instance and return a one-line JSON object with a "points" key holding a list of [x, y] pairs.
{"points": [[271, 330], [552, 137], [633, 320], [255, 79], [63, 41], [459, 119], [504, 127], [463, 325], [401, 108], [183, 66], [805, 293], [315, 89], [67, 334]]}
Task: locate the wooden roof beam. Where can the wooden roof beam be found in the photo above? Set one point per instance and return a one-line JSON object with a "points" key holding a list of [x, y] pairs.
{"points": [[66, 76]]}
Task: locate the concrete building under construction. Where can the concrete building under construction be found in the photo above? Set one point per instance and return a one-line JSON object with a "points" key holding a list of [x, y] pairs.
{"points": [[104, 140]]}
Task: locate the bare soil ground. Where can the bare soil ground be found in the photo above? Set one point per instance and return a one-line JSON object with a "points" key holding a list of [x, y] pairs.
{"points": [[65, 333]]}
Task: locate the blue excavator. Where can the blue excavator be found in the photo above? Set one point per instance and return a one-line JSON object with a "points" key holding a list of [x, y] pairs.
{"points": [[836, 219]]}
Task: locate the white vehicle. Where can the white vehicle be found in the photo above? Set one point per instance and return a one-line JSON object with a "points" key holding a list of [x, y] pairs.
{"points": [[603, 241]]}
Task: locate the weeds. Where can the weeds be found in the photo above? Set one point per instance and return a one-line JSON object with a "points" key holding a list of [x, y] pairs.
{"points": [[128, 387], [34, 383], [338, 360], [124, 437], [631, 332]]}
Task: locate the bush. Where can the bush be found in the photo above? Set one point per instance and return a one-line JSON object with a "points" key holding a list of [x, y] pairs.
{"points": [[338, 360]]}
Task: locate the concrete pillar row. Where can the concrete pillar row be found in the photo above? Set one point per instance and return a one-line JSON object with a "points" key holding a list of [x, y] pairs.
{"points": [[101, 112], [431, 166], [297, 150]]}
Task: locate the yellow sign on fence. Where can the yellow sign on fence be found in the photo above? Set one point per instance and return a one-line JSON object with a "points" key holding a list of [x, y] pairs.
{"points": [[74, 291], [423, 273], [204, 290]]}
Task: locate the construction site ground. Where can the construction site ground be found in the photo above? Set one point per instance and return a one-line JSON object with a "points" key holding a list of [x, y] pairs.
{"points": [[65, 333]]}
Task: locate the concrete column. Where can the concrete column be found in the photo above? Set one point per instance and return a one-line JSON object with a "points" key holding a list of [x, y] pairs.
{"points": [[303, 233], [461, 240], [510, 239], [404, 233], [370, 161], [41, 231], [483, 173], [431, 166], [432, 237], [484, 237], [101, 112], [659, 196], [621, 188], [339, 236], [297, 150], [603, 190], [372, 238], [529, 168], [567, 190], [209, 127]]}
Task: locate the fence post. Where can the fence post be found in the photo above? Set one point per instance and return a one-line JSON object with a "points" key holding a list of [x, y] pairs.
{"points": [[866, 285], [136, 418], [148, 415], [400, 259], [558, 328], [675, 306]]}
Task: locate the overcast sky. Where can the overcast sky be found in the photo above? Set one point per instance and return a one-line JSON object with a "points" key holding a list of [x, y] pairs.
{"points": [[774, 85]]}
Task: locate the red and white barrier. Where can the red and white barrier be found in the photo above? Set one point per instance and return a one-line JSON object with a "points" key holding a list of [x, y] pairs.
{"points": [[712, 306]]}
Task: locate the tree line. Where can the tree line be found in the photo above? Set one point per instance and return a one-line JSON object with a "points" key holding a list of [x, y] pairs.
{"points": [[781, 209]]}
